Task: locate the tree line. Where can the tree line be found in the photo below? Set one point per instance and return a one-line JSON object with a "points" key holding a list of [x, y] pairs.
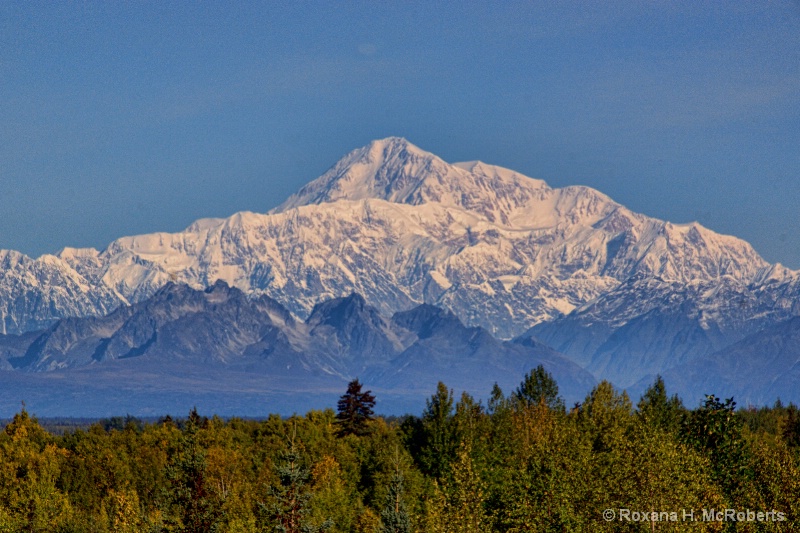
{"points": [[521, 462]]}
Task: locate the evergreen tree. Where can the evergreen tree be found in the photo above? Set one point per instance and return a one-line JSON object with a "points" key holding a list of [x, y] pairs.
{"points": [[497, 400], [539, 387], [197, 420], [394, 517], [439, 442], [657, 409], [468, 419], [196, 505], [289, 513], [355, 410], [791, 428]]}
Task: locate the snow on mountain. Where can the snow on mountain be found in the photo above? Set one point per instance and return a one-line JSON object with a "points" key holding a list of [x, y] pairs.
{"points": [[401, 227], [651, 321], [396, 171], [35, 292]]}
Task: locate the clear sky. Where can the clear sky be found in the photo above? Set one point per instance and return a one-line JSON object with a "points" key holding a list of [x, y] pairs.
{"points": [[118, 118]]}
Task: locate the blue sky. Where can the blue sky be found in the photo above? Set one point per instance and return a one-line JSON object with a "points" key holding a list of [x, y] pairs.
{"points": [[125, 118]]}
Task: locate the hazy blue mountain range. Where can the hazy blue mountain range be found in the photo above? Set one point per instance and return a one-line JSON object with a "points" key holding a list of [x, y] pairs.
{"points": [[619, 294], [756, 370], [182, 341]]}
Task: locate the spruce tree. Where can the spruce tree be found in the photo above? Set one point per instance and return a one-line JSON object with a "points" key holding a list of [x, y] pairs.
{"points": [[438, 433], [497, 400], [289, 512], [197, 506], [659, 410], [394, 517], [355, 410], [791, 427], [539, 387]]}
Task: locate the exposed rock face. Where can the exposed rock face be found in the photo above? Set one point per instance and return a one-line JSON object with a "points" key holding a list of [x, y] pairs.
{"points": [[219, 333]]}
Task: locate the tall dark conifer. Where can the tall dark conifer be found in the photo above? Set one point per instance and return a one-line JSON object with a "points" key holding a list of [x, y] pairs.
{"points": [[355, 410], [791, 428], [659, 410], [439, 437]]}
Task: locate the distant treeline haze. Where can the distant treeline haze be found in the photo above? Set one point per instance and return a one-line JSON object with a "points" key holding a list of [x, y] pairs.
{"points": [[522, 462]]}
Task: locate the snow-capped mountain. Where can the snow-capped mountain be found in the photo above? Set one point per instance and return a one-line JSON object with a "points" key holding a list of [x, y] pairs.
{"points": [[611, 288], [34, 292], [646, 325]]}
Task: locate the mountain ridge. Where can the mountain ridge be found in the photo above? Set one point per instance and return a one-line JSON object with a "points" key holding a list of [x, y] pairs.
{"points": [[401, 227], [218, 333]]}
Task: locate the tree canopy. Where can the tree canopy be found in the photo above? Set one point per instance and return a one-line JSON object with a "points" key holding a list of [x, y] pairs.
{"points": [[457, 467]]}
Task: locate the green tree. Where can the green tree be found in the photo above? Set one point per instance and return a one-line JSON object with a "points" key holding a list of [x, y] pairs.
{"points": [[715, 430], [438, 433], [497, 400], [332, 498], [192, 497], [394, 517], [538, 386], [791, 427], [468, 421], [355, 410], [459, 505], [30, 464], [657, 409], [660, 472], [289, 512], [607, 416], [776, 478], [541, 482]]}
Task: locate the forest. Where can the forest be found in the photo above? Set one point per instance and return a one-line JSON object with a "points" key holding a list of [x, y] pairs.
{"points": [[523, 461]]}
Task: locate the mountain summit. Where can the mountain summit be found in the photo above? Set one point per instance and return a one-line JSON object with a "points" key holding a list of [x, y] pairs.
{"points": [[623, 294], [396, 171]]}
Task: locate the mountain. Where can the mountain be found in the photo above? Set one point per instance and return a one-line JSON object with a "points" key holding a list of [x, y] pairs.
{"points": [[185, 341], [35, 292], [216, 325], [647, 325], [622, 294], [756, 370]]}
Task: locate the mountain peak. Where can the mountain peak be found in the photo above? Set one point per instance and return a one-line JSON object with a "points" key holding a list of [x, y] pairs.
{"points": [[384, 150], [426, 320], [392, 144], [388, 169], [339, 310], [394, 170]]}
